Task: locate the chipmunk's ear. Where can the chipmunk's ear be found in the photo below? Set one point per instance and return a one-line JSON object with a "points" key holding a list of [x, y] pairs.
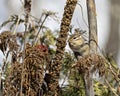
{"points": [[78, 31], [83, 31]]}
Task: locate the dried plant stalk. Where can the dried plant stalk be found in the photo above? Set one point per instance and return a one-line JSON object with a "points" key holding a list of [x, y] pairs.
{"points": [[27, 9], [12, 83], [33, 71], [8, 40], [61, 43], [84, 64], [32, 76]]}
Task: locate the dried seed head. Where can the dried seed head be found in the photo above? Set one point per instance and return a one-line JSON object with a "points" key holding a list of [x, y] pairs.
{"points": [[95, 61]]}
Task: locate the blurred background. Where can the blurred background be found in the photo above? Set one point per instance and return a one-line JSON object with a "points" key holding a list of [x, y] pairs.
{"points": [[107, 12]]}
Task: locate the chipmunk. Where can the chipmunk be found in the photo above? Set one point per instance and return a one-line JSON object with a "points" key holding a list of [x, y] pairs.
{"points": [[78, 44]]}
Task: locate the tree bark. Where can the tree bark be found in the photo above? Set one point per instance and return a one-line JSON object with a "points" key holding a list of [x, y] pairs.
{"points": [[93, 39]]}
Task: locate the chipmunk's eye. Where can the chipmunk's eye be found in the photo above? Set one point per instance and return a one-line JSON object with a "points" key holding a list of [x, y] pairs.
{"points": [[74, 38]]}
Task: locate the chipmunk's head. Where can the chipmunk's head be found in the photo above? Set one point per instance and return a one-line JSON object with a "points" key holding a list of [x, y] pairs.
{"points": [[76, 39]]}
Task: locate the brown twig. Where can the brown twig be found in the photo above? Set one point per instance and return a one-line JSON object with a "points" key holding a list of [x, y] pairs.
{"points": [[27, 9], [40, 28], [110, 87]]}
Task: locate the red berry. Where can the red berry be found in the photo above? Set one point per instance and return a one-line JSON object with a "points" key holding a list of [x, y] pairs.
{"points": [[43, 48]]}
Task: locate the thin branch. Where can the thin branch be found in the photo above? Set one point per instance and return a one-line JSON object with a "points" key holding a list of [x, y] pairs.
{"points": [[40, 28], [67, 75], [17, 24], [111, 88], [83, 15]]}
